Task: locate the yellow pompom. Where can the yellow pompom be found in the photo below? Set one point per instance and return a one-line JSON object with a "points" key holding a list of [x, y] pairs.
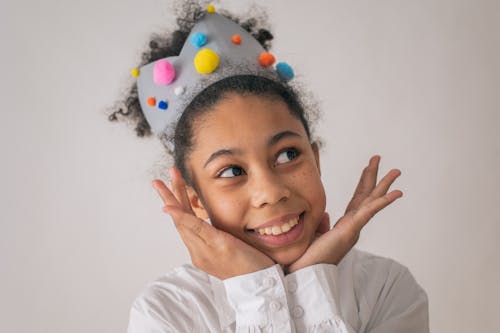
{"points": [[206, 61], [210, 9], [135, 72]]}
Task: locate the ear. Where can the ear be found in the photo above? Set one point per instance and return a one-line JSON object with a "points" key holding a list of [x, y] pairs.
{"points": [[315, 148], [196, 203]]}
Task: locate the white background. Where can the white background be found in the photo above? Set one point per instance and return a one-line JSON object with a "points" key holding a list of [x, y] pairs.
{"points": [[82, 230]]}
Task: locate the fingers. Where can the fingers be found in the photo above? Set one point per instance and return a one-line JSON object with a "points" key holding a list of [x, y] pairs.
{"points": [[166, 195], [369, 199], [177, 194], [367, 211], [193, 241], [191, 228], [371, 173], [366, 184], [178, 207], [179, 188], [385, 183]]}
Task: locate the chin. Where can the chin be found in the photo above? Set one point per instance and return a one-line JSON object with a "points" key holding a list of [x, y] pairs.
{"points": [[287, 257]]}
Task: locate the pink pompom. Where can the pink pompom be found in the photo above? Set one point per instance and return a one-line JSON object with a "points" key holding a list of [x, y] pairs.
{"points": [[163, 72]]}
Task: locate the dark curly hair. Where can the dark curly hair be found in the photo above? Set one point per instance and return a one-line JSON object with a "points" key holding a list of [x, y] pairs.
{"points": [[170, 44]]}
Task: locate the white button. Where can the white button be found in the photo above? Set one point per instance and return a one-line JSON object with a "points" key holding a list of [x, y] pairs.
{"points": [[269, 281], [292, 286], [275, 306], [297, 311]]}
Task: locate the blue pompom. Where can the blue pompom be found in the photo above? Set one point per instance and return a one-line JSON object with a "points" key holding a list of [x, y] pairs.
{"points": [[198, 39], [163, 105], [285, 72]]}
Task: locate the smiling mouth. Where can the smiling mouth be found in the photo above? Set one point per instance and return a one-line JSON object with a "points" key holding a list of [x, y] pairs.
{"points": [[278, 229]]}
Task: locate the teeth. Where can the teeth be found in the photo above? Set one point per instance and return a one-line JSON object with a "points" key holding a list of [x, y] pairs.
{"points": [[276, 230], [285, 227]]}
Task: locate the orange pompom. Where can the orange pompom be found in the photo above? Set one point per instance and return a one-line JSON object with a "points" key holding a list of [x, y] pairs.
{"points": [[151, 101], [266, 59], [236, 39]]}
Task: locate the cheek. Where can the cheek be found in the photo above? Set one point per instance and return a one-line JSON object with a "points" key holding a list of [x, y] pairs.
{"points": [[227, 211], [309, 181]]}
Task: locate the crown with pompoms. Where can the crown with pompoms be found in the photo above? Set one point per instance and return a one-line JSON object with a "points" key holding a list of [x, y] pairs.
{"points": [[216, 48]]}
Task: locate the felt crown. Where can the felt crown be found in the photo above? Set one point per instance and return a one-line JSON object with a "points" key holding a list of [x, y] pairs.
{"points": [[216, 48]]}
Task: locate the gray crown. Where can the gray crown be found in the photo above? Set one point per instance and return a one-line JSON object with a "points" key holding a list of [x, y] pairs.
{"points": [[234, 59]]}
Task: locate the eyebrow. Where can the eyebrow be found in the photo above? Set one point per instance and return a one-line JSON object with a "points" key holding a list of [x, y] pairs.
{"points": [[281, 135], [271, 142]]}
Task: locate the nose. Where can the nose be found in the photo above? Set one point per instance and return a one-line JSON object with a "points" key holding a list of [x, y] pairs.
{"points": [[268, 188]]}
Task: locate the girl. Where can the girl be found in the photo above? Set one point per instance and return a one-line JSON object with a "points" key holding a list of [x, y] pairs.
{"points": [[246, 162]]}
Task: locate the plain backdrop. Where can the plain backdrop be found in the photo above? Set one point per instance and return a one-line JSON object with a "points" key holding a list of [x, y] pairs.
{"points": [[82, 231]]}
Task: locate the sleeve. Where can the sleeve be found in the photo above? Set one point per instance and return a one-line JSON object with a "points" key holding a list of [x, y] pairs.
{"points": [[150, 313], [401, 306], [259, 301], [266, 301], [314, 299]]}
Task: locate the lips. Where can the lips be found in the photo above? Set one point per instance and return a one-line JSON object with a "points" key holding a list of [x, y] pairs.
{"points": [[280, 238], [277, 221], [279, 229]]}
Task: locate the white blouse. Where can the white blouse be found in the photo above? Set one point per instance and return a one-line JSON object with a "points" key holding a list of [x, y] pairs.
{"points": [[364, 293]]}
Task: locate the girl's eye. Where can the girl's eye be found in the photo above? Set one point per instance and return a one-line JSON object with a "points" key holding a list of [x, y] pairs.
{"points": [[232, 171], [287, 156]]}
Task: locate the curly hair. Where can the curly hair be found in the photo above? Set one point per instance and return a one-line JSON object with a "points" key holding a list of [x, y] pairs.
{"points": [[179, 142], [170, 44]]}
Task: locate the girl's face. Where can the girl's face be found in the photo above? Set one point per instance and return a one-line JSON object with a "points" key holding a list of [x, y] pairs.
{"points": [[253, 169]]}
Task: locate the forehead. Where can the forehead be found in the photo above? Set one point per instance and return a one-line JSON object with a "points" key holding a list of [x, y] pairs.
{"points": [[238, 118]]}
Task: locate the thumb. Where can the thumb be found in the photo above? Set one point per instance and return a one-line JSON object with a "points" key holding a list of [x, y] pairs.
{"points": [[324, 224]]}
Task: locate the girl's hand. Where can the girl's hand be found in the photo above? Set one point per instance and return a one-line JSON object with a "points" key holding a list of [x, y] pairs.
{"points": [[368, 199], [214, 251]]}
